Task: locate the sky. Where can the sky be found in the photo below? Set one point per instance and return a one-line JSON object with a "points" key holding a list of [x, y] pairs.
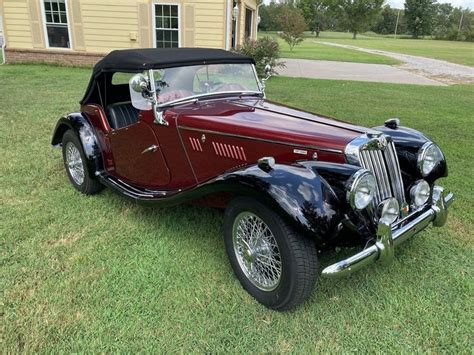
{"points": [[398, 4]]}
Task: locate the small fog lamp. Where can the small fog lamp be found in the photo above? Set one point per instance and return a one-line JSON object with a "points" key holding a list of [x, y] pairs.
{"points": [[420, 193], [389, 211]]}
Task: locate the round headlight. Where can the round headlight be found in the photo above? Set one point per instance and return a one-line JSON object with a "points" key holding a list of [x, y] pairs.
{"points": [[419, 193], [362, 189], [389, 211], [429, 156]]}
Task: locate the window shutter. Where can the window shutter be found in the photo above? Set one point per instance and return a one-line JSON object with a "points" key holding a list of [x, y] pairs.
{"points": [[144, 25], [78, 33], [36, 24], [188, 26]]}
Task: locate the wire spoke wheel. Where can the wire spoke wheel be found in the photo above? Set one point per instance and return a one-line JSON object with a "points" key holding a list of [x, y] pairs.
{"points": [[74, 163], [257, 251]]}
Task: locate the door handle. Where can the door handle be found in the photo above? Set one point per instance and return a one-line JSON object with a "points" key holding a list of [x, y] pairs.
{"points": [[152, 148]]}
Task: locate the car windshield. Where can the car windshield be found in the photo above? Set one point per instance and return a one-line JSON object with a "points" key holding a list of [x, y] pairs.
{"points": [[202, 80]]}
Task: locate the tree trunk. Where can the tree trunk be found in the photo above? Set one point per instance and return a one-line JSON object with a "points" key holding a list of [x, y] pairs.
{"points": [[354, 35]]}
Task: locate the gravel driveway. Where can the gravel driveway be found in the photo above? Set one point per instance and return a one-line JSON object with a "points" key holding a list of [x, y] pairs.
{"points": [[323, 69], [436, 69]]}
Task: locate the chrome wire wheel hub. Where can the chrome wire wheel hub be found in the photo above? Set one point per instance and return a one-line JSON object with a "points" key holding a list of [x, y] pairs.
{"points": [[74, 163], [257, 251]]}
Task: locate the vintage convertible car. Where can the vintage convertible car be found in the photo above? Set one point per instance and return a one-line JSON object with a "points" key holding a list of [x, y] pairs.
{"points": [[169, 126]]}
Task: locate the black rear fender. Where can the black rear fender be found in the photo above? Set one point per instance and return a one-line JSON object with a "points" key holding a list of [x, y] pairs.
{"points": [[80, 125]]}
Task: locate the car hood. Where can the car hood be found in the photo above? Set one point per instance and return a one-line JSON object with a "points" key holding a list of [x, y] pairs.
{"points": [[265, 120]]}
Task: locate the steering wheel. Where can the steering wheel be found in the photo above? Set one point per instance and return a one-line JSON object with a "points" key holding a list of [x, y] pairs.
{"points": [[230, 87], [208, 85]]}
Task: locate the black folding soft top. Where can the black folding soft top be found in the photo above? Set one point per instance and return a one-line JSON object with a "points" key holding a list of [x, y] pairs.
{"points": [[138, 60]]}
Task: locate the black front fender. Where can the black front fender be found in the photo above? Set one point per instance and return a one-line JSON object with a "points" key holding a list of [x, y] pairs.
{"points": [[408, 142], [80, 125], [309, 195]]}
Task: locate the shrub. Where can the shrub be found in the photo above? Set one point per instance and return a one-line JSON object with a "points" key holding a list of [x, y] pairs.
{"points": [[264, 51], [292, 25]]}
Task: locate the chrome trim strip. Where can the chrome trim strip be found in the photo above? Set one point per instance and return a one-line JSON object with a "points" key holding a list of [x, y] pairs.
{"points": [[329, 150]]}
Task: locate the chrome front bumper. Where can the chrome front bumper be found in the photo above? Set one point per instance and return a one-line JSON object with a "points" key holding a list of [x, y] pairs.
{"points": [[388, 237]]}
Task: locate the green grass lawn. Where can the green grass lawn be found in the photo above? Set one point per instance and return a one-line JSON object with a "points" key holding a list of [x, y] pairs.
{"points": [[100, 274], [451, 51], [309, 49]]}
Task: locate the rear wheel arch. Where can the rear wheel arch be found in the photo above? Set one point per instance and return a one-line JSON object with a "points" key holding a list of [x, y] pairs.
{"points": [[59, 132], [76, 165], [79, 124]]}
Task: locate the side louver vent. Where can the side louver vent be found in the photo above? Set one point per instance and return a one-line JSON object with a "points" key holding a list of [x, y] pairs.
{"points": [[229, 151], [195, 144]]}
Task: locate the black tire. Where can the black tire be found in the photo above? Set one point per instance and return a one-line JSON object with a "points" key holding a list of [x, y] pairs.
{"points": [[298, 256], [88, 185]]}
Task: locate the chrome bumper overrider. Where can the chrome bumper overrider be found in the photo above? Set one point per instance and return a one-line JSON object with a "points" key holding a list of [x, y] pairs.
{"points": [[388, 237]]}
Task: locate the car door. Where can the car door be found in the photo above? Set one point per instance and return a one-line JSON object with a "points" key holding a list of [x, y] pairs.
{"points": [[138, 157]]}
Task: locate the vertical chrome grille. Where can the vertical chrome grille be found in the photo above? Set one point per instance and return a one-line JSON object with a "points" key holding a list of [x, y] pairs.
{"points": [[383, 163]]}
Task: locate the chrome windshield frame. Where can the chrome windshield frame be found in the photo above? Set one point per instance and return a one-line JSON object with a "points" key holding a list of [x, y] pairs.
{"points": [[158, 109], [197, 97]]}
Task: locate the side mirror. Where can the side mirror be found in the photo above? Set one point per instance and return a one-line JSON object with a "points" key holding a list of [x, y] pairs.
{"points": [[140, 93], [139, 83], [268, 74], [268, 70]]}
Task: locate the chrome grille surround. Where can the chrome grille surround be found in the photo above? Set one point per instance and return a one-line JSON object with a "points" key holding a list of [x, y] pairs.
{"points": [[376, 152]]}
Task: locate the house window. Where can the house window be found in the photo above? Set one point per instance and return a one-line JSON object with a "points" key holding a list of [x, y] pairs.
{"points": [[167, 26], [248, 23], [55, 18]]}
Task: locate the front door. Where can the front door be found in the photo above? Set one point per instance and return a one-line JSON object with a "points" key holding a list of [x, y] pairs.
{"points": [[138, 157]]}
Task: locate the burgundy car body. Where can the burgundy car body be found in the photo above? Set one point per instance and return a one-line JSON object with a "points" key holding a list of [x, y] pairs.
{"points": [[209, 151], [236, 133]]}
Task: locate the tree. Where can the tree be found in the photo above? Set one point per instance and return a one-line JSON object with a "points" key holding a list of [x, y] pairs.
{"points": [[315, 14], [443, 20], [419, 16], [357, 15], [292, 24], [268, 17], [387, 21], [265, 51], [463, 25]]}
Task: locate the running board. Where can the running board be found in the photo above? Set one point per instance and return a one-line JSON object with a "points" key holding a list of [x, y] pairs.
{"points": [[155, 197]]}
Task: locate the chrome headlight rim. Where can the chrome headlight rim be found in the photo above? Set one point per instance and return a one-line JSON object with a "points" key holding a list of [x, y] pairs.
{"points": [[422, 154], [355, 181]]}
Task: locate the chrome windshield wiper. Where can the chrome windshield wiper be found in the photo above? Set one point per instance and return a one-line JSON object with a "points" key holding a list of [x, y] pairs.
{"points": [[196, 98]]}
